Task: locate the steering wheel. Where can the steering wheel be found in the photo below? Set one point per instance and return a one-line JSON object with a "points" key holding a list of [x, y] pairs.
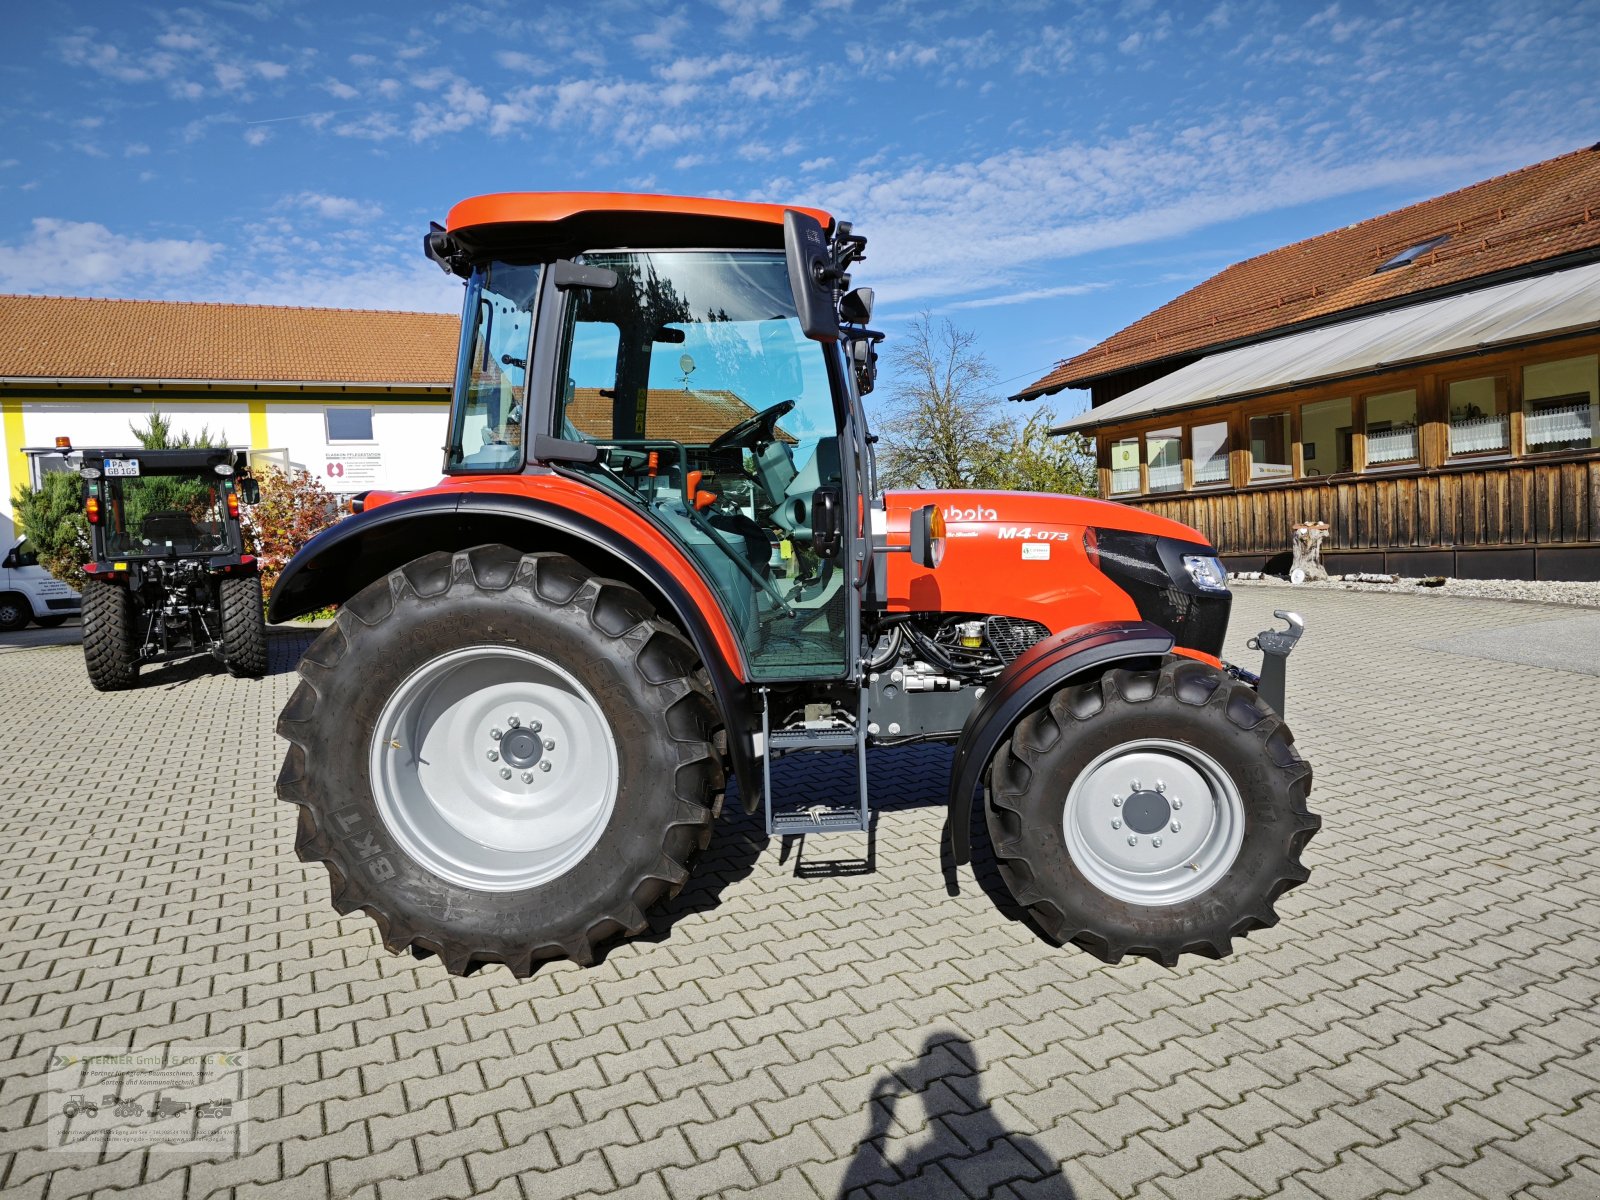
{"points": [[757, 430]]}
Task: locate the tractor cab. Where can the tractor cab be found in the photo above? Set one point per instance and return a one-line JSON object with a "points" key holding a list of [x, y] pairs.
{"points": [[695, 386]]}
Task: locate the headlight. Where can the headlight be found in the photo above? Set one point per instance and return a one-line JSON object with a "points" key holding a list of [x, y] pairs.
{"points": [[1207, 572]]}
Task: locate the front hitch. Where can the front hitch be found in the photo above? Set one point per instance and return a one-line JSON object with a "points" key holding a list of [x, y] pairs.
{"points": [[1275, 646]]}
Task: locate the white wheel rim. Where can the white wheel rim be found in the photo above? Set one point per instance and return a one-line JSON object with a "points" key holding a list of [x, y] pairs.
{"points": [[494, 768], [1154, 822]]}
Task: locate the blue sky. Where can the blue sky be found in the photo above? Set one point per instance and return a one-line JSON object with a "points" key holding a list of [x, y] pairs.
{"points": [[1042, 173]]}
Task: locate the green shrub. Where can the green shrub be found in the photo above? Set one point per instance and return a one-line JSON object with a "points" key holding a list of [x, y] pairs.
{"points": [[57, 530]]}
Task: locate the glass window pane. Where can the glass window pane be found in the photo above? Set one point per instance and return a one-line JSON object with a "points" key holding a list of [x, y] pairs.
{"points": [[1559, 404], [1391, 427], [1478, 419], [1164, 454], [1210, 444], [1269, 447], [1327, 436], [349, 424], [1124, 466], [486, 421]]}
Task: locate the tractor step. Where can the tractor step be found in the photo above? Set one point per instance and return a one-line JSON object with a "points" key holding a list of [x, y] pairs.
{"points": [[786, 821]]}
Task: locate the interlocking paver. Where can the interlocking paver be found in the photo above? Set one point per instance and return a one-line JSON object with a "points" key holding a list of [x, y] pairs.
{"points": [[1422, 1021]]}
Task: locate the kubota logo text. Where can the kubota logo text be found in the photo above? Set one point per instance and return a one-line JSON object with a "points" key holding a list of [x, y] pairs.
{"points": [[976, 513]]}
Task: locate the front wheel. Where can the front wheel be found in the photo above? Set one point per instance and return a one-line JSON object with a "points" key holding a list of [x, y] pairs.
{"points": [[54, 622], [500, 757], [1152, 812], [14, 613]]}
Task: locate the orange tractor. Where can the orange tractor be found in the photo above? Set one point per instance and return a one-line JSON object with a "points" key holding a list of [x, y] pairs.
{"points": [[659, 561]]}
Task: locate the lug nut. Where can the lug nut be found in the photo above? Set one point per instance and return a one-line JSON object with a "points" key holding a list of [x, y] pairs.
{"points": [[1116, 802], [494, 756], [1132, 841], [549, 744], [513, 721], [536, 726], [1176, 826], [505, 772], [1156, 842], [1161, 785], [544, 766], [527, 777], [1137, 786], [1116, 824], [1177, 804], [496, 734]]}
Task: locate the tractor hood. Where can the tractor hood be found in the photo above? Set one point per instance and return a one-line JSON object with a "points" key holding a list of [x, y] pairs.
{"points": [[1052, 559], [1011, 515]]}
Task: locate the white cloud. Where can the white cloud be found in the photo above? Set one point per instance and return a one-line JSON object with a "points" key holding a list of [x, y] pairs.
{"points": [[271, 70], [84, 255], [341, 91], [1032, 294], [257, 135], [660, 38], [335, 208]]}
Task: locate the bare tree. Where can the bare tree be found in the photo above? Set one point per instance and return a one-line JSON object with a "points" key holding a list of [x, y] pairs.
{"points": [[944, 426], [942, 420]]}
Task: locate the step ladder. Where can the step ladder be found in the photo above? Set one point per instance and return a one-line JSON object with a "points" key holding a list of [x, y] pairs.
{"points": [[818, 817]]}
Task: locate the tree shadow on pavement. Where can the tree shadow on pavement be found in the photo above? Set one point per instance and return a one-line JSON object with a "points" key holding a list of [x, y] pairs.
{"points": [[964, 1149]]}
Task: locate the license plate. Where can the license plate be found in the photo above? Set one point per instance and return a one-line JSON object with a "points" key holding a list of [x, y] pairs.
{"points": [[121, 466]]}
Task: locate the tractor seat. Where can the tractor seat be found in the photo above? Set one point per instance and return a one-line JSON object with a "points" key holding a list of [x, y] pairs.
{"points": [[170, 526]]}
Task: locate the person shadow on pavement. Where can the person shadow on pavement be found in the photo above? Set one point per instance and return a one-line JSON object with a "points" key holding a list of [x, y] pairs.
{"points": [[964, 1150]]}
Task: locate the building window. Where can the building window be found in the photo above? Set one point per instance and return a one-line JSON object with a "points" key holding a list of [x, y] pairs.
{"points": [[1164, 454], [1391, 427], [349, 424], [1209, 445], [1558, 404], [1269, 448], [1327, 437], [1124, 466], [1478, 415]]}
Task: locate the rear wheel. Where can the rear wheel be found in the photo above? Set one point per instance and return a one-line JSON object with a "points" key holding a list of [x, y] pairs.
{"points": [[110, 635], [500, 758], [244, 629], [15, 613], [1153, 812]]}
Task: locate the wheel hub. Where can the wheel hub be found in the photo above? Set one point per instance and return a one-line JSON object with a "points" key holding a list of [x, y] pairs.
{"points": [[495, 768], [1146, 812], [1153, 822]]}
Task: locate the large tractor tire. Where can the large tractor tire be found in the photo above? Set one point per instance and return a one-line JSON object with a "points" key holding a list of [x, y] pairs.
{"points": [[500, 758], [244, 628], [1152, 812], [110, 636]]}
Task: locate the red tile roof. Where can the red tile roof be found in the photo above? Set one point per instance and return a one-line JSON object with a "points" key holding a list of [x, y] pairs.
{"points": [[62, 337], [672, 414], [1541, 212]]}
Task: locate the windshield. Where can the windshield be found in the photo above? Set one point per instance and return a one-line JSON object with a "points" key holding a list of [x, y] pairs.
{"points": [[158, 515], [492, 376], [716, 414]]}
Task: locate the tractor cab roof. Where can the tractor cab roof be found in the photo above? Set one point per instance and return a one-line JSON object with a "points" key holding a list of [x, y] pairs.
{"points": [[569, 222]]}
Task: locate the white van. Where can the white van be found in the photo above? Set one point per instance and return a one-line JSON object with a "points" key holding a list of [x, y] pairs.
{"points": [[30, 593]]}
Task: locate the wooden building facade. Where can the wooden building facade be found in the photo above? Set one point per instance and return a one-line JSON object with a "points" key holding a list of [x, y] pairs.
{"points": [[1431, 391]]}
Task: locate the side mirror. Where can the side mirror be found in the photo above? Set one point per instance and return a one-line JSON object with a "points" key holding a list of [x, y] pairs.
{"points": [[827, 520], [864, 356], [812, 275], [856, 306], [249, 490], [927, 536], [10, 562]]}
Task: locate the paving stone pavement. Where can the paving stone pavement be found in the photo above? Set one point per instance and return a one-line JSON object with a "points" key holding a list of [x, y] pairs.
{"points": [[1423, 1021]]}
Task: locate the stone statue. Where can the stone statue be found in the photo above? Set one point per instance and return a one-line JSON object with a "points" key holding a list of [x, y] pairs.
{"points": [[1306, 543]]}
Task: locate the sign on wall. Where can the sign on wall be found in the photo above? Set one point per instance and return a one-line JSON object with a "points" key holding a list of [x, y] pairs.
{"points": [[352, 470]]}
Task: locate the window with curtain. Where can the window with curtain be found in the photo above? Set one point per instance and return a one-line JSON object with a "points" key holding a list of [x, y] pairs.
{"points": [[1124, 466], [1210, 448], [1479, 420], [1558, 404], [1164, 455], [1327, 437], [1391, 427]]}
